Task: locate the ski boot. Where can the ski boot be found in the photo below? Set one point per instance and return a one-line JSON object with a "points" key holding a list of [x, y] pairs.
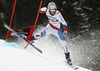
{"points": [[32, 39], [67, 55]]}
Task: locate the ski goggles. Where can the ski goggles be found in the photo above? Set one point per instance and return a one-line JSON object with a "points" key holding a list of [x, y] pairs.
{"points": [[52, 10]]}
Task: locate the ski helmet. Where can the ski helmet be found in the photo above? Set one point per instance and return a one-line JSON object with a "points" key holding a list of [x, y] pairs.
{"points": [[52, 6]]}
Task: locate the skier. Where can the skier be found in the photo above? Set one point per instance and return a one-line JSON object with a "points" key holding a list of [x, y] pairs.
{"points": [[54, 27], [57, 26]]}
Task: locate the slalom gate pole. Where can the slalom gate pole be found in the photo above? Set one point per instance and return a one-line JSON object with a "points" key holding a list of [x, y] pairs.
{"points": [[11, 18], [34, 23]]}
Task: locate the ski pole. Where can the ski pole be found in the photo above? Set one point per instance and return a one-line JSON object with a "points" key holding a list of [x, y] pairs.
{"points": [[11, 18]]}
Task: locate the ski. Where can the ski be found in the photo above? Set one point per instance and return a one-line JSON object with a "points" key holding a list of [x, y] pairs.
{"points": [[13, 31], [71, 65], [74, 67]]}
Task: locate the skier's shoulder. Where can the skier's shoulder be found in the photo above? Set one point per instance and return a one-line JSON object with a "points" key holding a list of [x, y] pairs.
{"points": [[58, 12]]}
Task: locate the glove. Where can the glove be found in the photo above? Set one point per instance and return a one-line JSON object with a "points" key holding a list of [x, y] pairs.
{"points": [[42, 12], [65, 33]]}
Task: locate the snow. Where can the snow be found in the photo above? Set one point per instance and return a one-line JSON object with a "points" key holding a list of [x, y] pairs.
{"points": [[15, 58]]}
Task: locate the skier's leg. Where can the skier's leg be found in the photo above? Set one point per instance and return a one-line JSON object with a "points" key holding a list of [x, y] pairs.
{"points": [[47, 30], [64, 45], [39, 35]]}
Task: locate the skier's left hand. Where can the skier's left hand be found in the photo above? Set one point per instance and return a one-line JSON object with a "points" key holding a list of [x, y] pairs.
{"points": [[65, 33]]}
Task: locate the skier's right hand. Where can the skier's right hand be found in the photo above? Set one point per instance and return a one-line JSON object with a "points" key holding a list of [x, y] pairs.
{"points": [[42, 12]]}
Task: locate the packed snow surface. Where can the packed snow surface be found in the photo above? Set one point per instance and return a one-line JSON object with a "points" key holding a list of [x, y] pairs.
{"points": [[15, 58]]}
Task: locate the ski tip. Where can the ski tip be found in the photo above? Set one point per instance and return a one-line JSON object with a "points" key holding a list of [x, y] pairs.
{"points": [[41, 52], [76, 68], [4, 23]]}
